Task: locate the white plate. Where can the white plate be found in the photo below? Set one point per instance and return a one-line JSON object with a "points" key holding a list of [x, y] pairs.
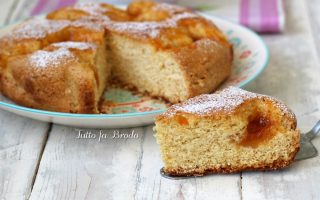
{"points": [[251, 56]]}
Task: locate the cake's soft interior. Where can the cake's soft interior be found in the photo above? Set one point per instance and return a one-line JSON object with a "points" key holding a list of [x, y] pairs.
{"points": [[141, 66], [102, 68], [254, 135]]}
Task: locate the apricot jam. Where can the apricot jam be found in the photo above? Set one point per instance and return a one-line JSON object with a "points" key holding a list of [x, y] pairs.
{"points": [[258, 131], [182, 120]]}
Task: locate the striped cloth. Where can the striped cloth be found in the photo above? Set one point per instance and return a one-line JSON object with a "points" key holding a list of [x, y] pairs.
{"points": [[259, 15], [262, 15]]}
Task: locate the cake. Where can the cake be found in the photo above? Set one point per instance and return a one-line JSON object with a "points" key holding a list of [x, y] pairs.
{"points": [[159, 49], [226, 132]]}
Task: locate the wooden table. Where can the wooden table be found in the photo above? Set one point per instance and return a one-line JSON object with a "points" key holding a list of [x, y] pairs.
{"points": [[45, 161]]}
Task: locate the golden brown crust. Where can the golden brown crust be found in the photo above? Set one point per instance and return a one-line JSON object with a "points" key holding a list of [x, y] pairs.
{"points": [[163, 25], [206, 66], [95, 10], [54, 78], [36, 34]]}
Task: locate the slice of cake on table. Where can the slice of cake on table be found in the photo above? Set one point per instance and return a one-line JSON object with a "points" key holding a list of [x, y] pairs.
{"points": [[226, 132]]}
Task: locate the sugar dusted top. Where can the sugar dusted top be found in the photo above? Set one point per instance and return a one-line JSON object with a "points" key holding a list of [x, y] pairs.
{"points": [[60, 54], [150, 29], [38, 28], [141, 29], [54, 58], [41, 28], [75, 45], [92, 8], [172, 9], [226, 100]]}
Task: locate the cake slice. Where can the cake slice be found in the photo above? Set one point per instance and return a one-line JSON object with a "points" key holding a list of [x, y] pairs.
{"points": [[226, 132]]}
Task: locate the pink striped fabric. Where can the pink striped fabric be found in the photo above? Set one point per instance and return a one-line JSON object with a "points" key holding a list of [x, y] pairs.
{"points": [[44, 6], [261, 15]]}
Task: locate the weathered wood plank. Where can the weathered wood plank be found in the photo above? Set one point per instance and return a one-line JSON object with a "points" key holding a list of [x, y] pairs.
{"points": [[117, 168], [6, 10], [314, 16], [86, 168], [23, 10], [293, 76], [21, 144]]}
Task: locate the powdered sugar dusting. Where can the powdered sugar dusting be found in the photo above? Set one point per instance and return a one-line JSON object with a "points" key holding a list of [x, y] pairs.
{"points": [[91, 8], [185, 15], [172, 9], [225, 100], [38, 28], [57, 57], [284, 109], [98, 20], [147, 29], [61, 54], [75, 45], [150, 29], [41, 28], [89, 22]]}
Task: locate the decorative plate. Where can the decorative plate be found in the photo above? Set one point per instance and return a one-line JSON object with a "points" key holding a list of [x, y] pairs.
{"points": [[127, 109]]}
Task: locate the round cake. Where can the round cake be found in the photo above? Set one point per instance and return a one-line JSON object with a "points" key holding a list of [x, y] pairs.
{"points": [[230, 131], [160, 49]]}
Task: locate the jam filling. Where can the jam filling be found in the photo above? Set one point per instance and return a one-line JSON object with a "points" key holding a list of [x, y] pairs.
{"points": [[182, 120], [258, 131]]}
